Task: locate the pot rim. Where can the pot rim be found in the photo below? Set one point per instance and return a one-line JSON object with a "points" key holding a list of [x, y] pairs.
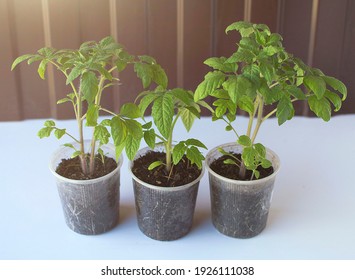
{"points": [[170, 189], [90, 181], [253, 182]]}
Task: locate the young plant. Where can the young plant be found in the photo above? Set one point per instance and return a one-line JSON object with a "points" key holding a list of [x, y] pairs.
{"points": [[167, 107], [89, 70], [261, 75]]}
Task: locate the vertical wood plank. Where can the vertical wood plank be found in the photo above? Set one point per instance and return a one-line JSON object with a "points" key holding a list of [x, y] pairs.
{"points": [[10, 91], [347, 66], [162, 36], [265, 11], [132, 33], [29, 38], [197, 41]]}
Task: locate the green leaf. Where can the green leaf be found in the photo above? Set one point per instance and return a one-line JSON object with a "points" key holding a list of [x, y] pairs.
{"points": [[147, 125], [212, 81], [221, 107], [337, 85], [45, 132], [155, 164], [334, 98], [315, 84], [265, 163], [246, 32], [59, 133], [69, 146], [159, 75], [49, 123], [285, 110], [248, 157], [144, 72], [246, 104], [42, 68], [260, 149], [195, 142], [295, 92], [267, 71], [20, 59], [132, 146], [187, 118], [321, 107], [183, 95], [244, 141], [75, 154], [75, 72], [195, 156], [229, 161], [89, 86], [63, 100], [178, 152], [163, 112], [149, 138], [118, 130], [219, 63], [134, 128], [236, 87], [101, 133], [92, 115], [121, 65], [130, 110], [238, 26], [147, 100]]}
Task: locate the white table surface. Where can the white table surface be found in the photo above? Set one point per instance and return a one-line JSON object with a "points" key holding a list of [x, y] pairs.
{"points": [[312, 215]]}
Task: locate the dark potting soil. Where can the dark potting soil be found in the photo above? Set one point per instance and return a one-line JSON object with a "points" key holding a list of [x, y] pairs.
{"points": [[71, 168], [231, 171], [182, 173]]}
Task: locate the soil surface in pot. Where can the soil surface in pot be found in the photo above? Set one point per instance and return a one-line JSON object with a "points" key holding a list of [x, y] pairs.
{"points": [[231, 171], [181, 174], [71, 168]]}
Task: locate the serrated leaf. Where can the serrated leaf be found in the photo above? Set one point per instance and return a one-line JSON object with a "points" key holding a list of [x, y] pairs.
{"points": [[45, 132], [118, 130], [163, 112], [101, 133], [238, 26], [89, 86], [315, 84], [246, 104], [187, 118], [246, 32], [132, 146], [155, 164], [260, 149], [221, 107], [321, 107], [92, 115], [120, 64], [74, 73], [212, 81], [159, 76], [134, 128], [130, 110], [195, 142], [183, 95], [267, 71], [236, 87], [337, 85], [296, 92], [285, 110], [59, 133], [178, 152], [20, 59], [147, 125], [149, 138], [147, 100], [248, 157], [144, 72], [195, 156], [49, 123], [244, 141]]}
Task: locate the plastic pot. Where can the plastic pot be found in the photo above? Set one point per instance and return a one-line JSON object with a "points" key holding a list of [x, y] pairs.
{"points": [[164, 213], [240, 208], [90, 206]]}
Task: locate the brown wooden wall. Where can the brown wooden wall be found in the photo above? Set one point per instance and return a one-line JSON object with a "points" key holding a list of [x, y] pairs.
{"points": [[180, 34]]}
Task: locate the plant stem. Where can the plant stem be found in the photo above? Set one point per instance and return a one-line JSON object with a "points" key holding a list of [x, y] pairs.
{"points": [[259, 120], [168, 144]]}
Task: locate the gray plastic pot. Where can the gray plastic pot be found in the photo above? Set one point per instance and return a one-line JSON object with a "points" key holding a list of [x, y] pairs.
{"points": [[240, 208], [90, 206], [164, 213]]}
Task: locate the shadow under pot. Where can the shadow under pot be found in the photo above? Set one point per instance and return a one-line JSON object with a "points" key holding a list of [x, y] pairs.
{"points": [[164, 213], [90, 206], [240, 208]]}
